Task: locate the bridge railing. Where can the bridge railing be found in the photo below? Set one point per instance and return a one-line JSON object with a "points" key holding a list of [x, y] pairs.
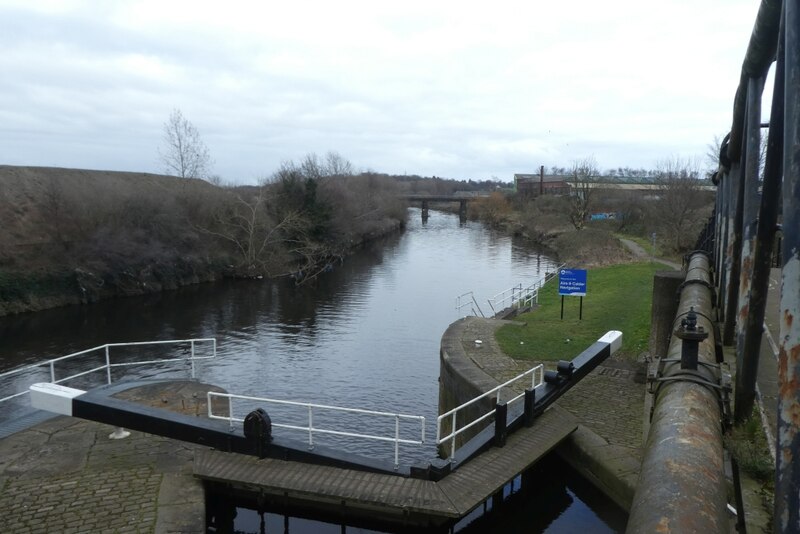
{"points": [[536, 377], [310, 409], [102, 355]]}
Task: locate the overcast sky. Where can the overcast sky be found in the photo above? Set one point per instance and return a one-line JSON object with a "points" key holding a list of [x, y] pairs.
{"points": [[455, 89]]}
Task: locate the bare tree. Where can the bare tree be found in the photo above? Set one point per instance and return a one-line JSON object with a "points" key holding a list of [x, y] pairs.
{"points": [[183, 152], [336, 165], [679, 208], [247, 222], [583, 182], [712, 153]]}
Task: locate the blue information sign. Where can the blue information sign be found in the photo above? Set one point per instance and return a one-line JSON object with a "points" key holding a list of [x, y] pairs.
{"points": [[572, 282]]}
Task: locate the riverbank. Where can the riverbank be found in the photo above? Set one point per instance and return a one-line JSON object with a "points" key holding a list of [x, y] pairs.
{"points": [[32, 291], [75, 236]]}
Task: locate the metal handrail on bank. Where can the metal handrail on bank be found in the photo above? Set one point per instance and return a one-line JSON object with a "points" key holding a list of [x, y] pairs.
{"points": [[534, 373], [519, 296], [108, 366]]}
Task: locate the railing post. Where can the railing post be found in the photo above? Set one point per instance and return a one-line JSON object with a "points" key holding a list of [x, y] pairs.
{"points": [[500, 424], [52, 372], [453, 439], [310, 428], [396, 441], [787, 485], [530, 403], [230, 412], [192, 357], [747, 364], [108, 364], [748, 346]]}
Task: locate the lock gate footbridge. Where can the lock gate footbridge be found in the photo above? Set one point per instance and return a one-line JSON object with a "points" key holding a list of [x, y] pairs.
{"points": [[257, 455]]}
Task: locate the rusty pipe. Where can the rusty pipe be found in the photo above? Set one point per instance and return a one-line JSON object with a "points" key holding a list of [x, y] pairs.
{"points": [[682, 482]]}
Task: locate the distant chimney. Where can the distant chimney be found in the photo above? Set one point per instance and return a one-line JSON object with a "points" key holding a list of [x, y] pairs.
{"points": [[541, 179]]}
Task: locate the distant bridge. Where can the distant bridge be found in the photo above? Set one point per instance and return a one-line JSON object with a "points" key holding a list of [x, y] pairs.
{"points": [[462, 200]]}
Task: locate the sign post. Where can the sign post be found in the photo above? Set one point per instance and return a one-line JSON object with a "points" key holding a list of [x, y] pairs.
{"points": [[572, 282]]}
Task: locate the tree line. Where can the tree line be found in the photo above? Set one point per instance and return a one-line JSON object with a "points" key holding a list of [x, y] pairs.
{"points": [[673, 203]]}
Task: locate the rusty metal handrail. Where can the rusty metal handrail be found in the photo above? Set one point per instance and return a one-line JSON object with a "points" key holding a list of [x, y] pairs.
{"points": [[747, 212]]}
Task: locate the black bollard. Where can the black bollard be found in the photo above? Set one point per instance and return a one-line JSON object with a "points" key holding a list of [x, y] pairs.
{"points": [[500, 424]]}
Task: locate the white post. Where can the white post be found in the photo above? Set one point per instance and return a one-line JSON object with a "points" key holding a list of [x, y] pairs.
{"points": [[396, 442], [108, 365], [52, 372], [192, 360], [453, 438], [310, 428], [230, 412]]}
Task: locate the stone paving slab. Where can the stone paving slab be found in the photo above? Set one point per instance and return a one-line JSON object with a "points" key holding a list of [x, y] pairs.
{"points": [[66, 475]]}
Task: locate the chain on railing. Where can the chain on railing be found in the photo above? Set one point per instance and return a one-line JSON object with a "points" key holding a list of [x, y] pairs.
{"points": [[311, 429], [107, 366], [537, 377]]}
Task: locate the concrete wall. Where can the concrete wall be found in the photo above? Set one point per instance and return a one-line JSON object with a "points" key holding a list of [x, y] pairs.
{"points": [[460, 380]]}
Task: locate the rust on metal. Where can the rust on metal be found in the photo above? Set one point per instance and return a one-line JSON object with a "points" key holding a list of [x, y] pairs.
{"points": [[787, 470], [682, 482]]}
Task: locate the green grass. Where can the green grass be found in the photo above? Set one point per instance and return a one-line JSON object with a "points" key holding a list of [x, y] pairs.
{"points": [[617, 298], [748, 444]]}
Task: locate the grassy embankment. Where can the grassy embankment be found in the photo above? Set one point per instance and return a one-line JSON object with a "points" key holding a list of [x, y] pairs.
{"points": [[618, 298]]}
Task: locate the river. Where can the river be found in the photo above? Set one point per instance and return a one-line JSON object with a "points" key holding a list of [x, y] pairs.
{"points": [[366, 335]]}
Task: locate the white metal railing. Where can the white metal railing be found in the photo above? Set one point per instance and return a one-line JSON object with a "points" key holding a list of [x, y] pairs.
{"points": [[537, 377], [508, 298], [311, 429], [107, 365], [517, 296], [468, 299]]}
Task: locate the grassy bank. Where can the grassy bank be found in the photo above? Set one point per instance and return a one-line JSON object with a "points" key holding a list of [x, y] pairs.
{"points": [[618, 298]]}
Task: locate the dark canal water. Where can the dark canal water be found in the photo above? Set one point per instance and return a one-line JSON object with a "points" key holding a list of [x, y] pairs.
{"points": [[365, 335]]}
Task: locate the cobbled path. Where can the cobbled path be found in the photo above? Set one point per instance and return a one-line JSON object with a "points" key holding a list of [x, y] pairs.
{"points": [[66, 475]]}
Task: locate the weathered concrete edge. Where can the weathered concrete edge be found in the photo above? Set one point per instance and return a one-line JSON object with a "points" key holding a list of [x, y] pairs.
{"points": [[455, 359], [611, 468]]}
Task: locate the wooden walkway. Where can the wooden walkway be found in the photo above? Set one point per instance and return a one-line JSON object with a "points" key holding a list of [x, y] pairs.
{"points": [[390, 497]]}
